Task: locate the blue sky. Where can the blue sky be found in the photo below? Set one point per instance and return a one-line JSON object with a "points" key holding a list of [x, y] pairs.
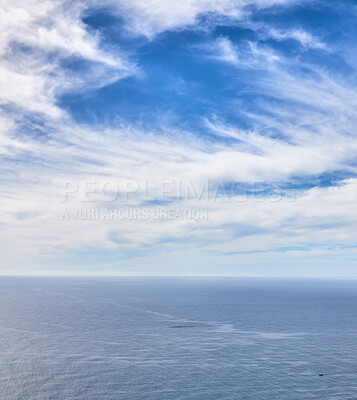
{"points": [[130, 107]]}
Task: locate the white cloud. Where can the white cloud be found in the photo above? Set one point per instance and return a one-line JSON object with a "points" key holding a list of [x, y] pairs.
{"points": [[150, 17], [314, 133], [308, 145], [32, 209], [35, 39], [305, 38], [224, 50], [267, 31]]}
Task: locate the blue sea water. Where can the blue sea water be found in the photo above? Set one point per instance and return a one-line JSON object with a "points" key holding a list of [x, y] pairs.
{"points": [[177, 338]]}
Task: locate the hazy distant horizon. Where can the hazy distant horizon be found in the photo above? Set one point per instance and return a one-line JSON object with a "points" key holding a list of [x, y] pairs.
{"points": [[243, 277]]}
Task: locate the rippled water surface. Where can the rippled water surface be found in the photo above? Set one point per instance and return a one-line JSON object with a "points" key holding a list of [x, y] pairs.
{"points": [[136, 338]]}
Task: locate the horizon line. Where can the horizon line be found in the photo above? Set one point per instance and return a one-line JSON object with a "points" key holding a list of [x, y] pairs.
{"points": [[174, 276]]}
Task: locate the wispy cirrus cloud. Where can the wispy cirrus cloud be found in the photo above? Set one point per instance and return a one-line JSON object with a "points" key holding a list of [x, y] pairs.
{"points": [[223, 49], [152, 17], [299, 121], [38, 41]]}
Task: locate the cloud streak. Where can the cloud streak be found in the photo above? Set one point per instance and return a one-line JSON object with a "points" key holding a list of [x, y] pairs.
{"points": [[152, 17]]}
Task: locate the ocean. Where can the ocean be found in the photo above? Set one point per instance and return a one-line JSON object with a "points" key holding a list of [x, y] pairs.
{"points": [[177, 338]]}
